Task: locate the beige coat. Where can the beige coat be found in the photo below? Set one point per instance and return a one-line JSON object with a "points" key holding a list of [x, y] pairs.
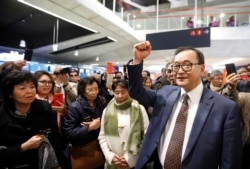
{"points": [[244, 104]]}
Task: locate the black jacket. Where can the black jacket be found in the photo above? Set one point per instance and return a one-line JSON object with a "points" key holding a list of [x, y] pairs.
{"points": [[15, 130], [79, 111]]}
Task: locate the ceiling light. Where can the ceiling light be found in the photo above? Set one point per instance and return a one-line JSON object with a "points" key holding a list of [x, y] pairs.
{"points": [[22, 43], [222, 15], [76, 53], [97, 58]]}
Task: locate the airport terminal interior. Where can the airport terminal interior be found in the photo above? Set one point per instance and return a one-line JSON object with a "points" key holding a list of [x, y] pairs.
{"points": [[77, 93], [89, 34]]}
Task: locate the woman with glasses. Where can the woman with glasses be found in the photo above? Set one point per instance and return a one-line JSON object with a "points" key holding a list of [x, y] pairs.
{"points": [[27, 125], [45, 87], [82, 125]]}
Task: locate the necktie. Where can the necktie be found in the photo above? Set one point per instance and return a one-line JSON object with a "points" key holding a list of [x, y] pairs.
{"points": [[174, 152]]}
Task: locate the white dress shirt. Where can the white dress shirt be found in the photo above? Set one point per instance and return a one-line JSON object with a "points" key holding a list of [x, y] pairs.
{"points": [[193, 103]]}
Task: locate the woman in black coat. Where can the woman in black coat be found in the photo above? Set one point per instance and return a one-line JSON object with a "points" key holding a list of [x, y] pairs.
{"points": [[27, 125], [81, 125]]}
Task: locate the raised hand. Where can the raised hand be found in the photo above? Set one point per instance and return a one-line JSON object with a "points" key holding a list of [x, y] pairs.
{"points": [[141, 50]]}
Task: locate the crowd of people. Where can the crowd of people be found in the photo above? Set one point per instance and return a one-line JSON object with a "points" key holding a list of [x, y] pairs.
{"points": [[230, 22], [126, 121]]}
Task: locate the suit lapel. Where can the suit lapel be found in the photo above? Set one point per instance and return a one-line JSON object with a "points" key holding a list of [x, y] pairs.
{"points": [[203, 111], [168, 108], [158, 123]]}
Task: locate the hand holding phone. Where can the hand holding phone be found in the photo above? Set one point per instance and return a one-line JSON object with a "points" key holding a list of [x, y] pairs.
{"points": [[230, 68], [58, 98], [45, 132]]}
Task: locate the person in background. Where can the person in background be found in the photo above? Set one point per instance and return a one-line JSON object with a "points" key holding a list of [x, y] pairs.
{"points": [[45, 87], [229, 89], [190, 22], [45, 91], [163, 73], [161, 81], [206, 78], [7, 67], [213, 22], [81, 125], [62, 85], [118, 75], [147, 82], [211, 118], [124, 123], [104, 89], [231, 21], [74, 75], [145, 73], [170, 73], [244, 83], [27, 125]]}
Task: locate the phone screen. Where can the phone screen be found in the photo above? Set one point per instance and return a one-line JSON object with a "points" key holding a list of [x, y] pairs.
{"points": [[230, 68], [58, 97]]}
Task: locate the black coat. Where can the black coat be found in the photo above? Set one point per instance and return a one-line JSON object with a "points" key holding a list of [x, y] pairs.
{"points": [[79, 111], [15, 130]]}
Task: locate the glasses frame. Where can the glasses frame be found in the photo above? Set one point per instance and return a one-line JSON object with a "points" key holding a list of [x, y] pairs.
{"points": [[44, 82], [188, 68]]}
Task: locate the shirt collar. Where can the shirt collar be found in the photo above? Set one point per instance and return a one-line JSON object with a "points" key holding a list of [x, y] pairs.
{"points": [[195, 94]]}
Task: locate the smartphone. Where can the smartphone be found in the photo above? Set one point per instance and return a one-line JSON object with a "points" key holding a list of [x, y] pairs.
{"points": [[109, 68], [58, 97], [87, 119], [45, 132], [230, 67]]}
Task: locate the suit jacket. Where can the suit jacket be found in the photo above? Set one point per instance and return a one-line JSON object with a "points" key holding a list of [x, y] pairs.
{"points": [[215, 138]]}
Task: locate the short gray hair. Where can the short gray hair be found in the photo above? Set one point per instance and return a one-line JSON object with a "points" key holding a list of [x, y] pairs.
{"points": [[215, 73]]}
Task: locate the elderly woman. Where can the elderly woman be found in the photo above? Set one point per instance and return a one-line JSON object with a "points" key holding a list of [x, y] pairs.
{"points": [[123, 125], [27, 125], [82, 125]]}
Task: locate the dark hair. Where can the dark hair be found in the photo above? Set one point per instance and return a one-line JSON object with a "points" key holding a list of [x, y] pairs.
{"points": [[89, 80], [144, 79], [120, 82], [119, 72], [74, 70], [12, 79], [147, 72], [38, 74], [215, 73], [199, 54]]}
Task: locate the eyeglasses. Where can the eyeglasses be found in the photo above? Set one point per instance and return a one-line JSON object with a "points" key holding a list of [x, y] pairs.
{"points": [[186, 67], [44, 82]]}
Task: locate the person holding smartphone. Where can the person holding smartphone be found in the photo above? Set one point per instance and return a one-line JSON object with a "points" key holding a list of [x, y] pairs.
{"points": [[26, 124], [227, 89]]}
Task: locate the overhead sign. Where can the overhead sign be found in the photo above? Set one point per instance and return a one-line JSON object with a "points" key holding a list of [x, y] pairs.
{"points": [[198, 37]]}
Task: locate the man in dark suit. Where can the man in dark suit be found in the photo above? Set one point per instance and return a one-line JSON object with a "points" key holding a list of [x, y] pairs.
{"points": [[212, 137]]}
